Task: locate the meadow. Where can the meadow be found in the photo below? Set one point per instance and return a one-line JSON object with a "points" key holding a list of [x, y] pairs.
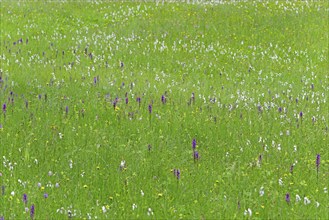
{"points": [[164, 110]]}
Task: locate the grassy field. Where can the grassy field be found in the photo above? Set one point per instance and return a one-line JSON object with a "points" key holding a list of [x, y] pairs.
{"points": [[164, 110]]}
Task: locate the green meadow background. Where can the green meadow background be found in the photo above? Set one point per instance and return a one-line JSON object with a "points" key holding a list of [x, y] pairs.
{"points": [[101, 101]]}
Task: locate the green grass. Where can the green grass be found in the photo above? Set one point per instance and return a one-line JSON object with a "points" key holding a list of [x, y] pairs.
{"points": [[242, 61]]}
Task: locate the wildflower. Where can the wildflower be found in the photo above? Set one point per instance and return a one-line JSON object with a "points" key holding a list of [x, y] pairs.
{"points": [[66, 109], [50, 173], [261, 191], [288, 198], [32, 211], [317, 204], [25, 198], [280, 182], [196, 155], [39, 185], [260, 157], [177, 173], [57, 185], [4, 107], [325, 190], [150, 108], [12, 193], [193, 144], [288, 133], [45, 195], [122, 164], [306, 201], [134, 206], [260, 108], [292, 169], [163, 99], [317, 162], [301, 114], [127, 100], [142, 193], [248, 212], [149, 212], [104, 209]]}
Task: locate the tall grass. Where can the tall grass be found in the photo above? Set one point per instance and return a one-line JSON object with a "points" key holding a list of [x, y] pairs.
{"points": [[101, 102]]}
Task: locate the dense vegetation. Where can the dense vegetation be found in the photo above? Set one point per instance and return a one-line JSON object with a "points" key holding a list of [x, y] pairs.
{"points": [[164, 110]]}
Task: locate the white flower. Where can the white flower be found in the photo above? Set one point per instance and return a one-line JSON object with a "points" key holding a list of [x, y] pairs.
{"points": [[280, 182], [261, 191], [298, 198], [122, 164], [12, 193], [295, 148], [104, 209], [306, 201], [325, 190], [149, 211], [142, 193], [248, 212], [60, 135], [317, 204], [134, 206]]}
